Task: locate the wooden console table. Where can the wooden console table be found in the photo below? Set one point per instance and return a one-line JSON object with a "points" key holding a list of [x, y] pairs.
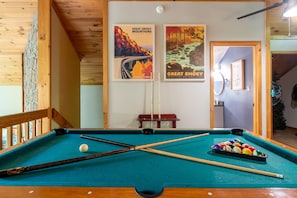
{"points": [[155, 118]]}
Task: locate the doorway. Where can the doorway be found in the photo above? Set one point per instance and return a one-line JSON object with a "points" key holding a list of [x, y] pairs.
{"points": [[283, 74], [254, 88]]}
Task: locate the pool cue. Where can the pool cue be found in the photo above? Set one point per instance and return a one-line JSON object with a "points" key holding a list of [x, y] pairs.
{"points": [[189, 158], [152, 100], [214, 163], [159, 96], [20, 170]]}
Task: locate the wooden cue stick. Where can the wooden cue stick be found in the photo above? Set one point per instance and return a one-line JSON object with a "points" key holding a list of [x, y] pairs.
{"points": [[134, 147], [159, 96], [169, 141], [189, 158], [152, 100], [214, 163], [19, 170]]}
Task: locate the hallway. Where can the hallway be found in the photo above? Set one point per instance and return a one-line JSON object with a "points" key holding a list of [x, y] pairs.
{"points": [[287, 136]]}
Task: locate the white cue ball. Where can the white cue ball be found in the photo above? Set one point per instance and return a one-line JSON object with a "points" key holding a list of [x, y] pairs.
{"points": [[83, 148]]}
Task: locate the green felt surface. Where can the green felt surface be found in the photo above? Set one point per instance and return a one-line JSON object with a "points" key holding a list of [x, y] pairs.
{"points": [[143, 170]]}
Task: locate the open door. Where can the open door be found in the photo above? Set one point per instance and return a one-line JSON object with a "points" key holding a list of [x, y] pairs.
{"points": [[255, 105], [283, 95]]}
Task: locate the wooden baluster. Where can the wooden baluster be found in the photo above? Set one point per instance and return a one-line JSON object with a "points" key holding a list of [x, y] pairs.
{"points": [[33, 132], [39, 127], [19, 134], [9, 137], [26, 131]]}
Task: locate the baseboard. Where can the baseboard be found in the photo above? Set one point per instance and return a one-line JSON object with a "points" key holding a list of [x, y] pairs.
{"points": [[292, 128]]}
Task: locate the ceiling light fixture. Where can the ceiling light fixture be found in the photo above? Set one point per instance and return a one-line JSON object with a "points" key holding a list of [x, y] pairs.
{"points": [[160, 9], [291, 11]]}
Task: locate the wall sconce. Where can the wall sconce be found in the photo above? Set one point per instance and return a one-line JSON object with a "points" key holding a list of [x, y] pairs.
{"points": [[160, 9], [290, 11]]}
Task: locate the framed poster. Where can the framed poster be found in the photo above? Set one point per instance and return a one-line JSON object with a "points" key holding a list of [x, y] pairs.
{"points": [[237, 75], [184, 52], [133, 52]]}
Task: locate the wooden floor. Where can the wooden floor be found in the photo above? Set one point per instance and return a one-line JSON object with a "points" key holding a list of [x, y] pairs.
{"points": [[287, 136]]}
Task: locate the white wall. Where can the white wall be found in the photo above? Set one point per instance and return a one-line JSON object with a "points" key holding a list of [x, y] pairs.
{"points": [[189, 100], [91, 106], [10, 100], [283, 45]]}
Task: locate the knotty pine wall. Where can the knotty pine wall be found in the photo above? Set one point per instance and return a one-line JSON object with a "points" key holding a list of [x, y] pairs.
{"points": [[11, 69]]}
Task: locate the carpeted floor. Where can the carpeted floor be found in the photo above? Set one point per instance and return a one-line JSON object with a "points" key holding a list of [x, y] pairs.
{"points": [[287, 136]]}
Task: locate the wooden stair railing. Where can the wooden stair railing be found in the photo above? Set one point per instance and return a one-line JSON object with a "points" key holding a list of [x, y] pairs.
{"points": [[60, 120], [19, 128]]}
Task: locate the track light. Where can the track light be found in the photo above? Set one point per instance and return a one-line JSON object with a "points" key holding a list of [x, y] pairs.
{"points": [[291, 11]]}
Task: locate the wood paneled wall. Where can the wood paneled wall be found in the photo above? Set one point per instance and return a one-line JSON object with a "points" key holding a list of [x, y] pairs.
{"points": [[15, 24], [11, 69]]}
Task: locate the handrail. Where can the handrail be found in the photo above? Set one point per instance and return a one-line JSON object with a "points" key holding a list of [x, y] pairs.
{"points": [[14, 119], [60, 120], [19, 128]]}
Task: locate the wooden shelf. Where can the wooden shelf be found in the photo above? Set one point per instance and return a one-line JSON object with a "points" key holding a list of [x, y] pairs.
{"points": [[157, 118]]}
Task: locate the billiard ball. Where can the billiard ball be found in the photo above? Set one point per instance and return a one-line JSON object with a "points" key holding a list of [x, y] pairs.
{"points": [[236, 144], [83, 148], [236, 149], [227, 148], [247, 151]]}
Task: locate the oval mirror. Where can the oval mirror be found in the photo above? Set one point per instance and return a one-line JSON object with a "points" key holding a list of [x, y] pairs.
{"points": [[219, 83]]}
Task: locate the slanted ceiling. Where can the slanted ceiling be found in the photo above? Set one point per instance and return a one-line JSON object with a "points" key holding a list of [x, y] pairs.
{"points": [[282, 63], [82, 20]]}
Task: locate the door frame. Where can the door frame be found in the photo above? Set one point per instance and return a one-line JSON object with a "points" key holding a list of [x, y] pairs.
{"points": [[257, 88], [269, 106]]}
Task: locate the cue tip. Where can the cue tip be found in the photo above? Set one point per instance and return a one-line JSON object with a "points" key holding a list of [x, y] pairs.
{"points": [[280, 176]]}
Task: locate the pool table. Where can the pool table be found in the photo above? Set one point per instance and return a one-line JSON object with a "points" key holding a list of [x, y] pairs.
{"points": [[138, 173]]}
